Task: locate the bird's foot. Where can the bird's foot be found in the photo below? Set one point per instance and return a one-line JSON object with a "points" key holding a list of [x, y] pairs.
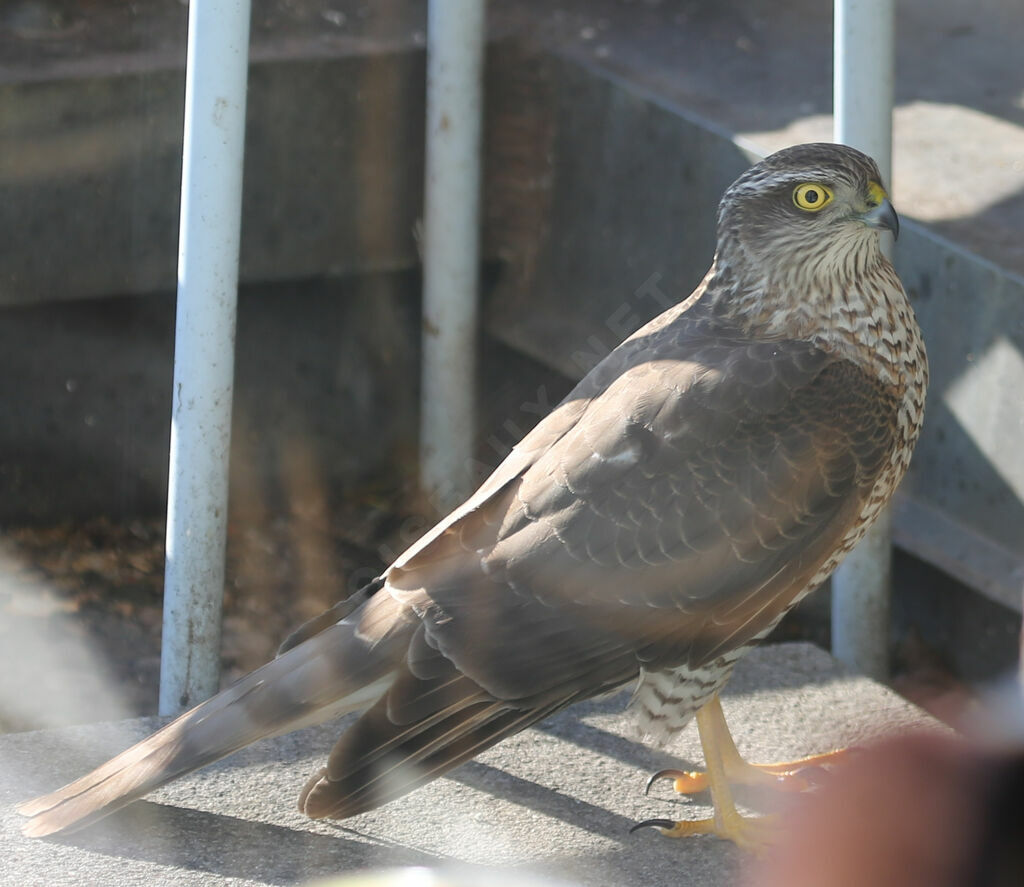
{"points": [[726, 768], [748, 833], [795, 776]]}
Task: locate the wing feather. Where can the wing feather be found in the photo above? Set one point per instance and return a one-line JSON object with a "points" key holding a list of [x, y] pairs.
{"points": [[681, 509], [671, 507]]}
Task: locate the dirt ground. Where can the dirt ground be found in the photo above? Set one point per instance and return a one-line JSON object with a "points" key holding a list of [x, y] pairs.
{"points": [[80, 603]]}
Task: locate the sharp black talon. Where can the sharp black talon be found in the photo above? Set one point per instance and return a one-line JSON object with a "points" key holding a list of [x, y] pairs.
{"points": [[652, 823], [662, 774]]}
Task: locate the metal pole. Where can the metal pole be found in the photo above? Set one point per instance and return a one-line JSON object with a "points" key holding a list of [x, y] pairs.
{"points": [[863, 54], [211, 202], [451, 223]]}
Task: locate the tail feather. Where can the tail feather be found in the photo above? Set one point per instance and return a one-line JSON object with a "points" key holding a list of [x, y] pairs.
{"points": [[421, 759], [332, 673]]}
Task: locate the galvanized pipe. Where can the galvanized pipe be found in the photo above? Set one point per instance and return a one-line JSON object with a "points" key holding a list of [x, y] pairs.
{"points": [[863, 89], [451, 226], [211, 203]]}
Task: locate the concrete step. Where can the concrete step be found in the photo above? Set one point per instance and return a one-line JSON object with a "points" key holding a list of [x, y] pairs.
{"points": [[556, 801]]}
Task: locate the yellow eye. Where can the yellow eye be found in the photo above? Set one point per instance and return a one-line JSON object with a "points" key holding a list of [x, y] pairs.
{"points": [[812, 197]]}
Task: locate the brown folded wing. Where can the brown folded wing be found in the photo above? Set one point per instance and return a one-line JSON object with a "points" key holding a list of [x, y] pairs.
{"points": [[669, 510]]}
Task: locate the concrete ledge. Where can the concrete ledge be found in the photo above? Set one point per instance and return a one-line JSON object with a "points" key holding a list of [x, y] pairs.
{"points": [[557, 800]]}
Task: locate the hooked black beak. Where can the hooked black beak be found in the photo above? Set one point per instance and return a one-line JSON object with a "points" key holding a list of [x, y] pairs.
{"points": [[883, 216]]}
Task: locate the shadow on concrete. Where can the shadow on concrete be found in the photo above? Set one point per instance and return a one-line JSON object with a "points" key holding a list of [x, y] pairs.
{"points": [[228, 846], [505, 786]]}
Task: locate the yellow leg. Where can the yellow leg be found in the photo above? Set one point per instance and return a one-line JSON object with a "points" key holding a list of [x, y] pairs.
{"points": [[797, 775], [721, 756]]}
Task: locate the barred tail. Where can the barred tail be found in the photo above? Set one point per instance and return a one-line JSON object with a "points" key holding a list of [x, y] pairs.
{"points": [[334, 672]]}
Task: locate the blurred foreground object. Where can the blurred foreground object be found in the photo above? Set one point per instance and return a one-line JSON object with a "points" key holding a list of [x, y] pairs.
{"points": [[449, 877], [918, 811]]}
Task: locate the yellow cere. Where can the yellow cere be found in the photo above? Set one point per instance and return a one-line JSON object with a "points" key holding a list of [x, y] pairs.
{"points": [[812, 196], [876, 193]]}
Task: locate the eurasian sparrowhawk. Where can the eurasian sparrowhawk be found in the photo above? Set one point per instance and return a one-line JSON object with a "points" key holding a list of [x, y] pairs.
{"points": [[698, 482]]}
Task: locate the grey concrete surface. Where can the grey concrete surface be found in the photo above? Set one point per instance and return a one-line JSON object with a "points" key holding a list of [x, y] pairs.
{"points": [[556, 801], [763, 69], [92, 113], [85, 393]]}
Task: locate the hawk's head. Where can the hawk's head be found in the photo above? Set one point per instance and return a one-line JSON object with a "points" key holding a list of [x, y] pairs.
{"points": [[818, 205]]}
